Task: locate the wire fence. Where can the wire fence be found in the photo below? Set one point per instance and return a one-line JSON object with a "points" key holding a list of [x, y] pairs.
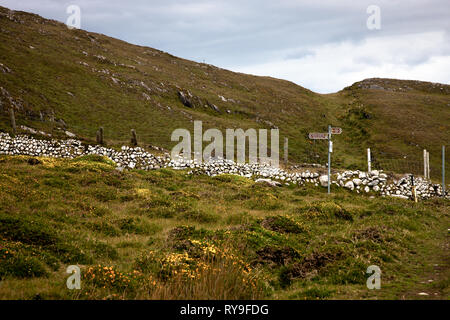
{"points": [[399, 166], [404, 166]]}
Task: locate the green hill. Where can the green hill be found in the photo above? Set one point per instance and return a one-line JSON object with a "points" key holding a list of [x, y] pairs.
{"points": [[56, 78], [167, 234]]}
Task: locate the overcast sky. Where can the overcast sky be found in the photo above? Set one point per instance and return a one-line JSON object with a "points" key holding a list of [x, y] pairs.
{"points": [[323, 45]]}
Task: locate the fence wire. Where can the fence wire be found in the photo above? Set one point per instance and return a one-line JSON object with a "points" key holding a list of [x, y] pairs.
{"points": [[399, 166], [404, 166]]}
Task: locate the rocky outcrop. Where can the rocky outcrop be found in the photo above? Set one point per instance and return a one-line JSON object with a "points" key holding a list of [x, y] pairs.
{"points": [[185, 99], [191, 101], [213, 107], [4, 69]]}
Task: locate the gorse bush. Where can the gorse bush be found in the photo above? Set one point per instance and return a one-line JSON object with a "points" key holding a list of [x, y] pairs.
{"points": [[108, 277], [204, 272], [15, 264]]}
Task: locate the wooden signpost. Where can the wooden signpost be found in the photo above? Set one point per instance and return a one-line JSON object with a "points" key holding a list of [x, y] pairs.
{"points": [[318, 135], [327, 136], [336, 130]]}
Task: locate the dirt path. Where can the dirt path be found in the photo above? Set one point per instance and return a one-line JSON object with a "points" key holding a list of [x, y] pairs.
{"points": [[436, 283]]}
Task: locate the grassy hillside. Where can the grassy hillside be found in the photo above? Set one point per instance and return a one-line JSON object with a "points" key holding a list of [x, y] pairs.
{"points": [[56, 79], [166, 234]]}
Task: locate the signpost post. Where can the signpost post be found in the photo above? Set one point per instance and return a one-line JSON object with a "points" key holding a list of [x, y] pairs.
{"points": [[327, 136], [443, 171], [413, 189], [329, 158]]}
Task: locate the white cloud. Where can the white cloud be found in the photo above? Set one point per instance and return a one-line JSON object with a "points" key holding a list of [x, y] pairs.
{"points": [[331, 67]]}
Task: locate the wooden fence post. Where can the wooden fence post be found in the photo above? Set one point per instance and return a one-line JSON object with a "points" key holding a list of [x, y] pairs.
{"points": [[424, 163], [13, 120], [100, 136], [285, 151], [133, 138]]}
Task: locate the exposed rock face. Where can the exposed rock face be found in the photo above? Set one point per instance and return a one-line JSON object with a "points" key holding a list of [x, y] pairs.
{"points": [[401, 86], [213, 106], [191, 101], [138, 158], [185, 99], [33, 131], [4, 69], [70, 134]]}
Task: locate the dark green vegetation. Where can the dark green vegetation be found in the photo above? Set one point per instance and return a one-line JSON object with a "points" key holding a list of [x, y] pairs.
{"points": [[90, 80], [166, 234]]}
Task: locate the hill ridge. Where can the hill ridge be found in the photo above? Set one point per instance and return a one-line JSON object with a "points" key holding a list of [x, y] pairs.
{"points": [[61, 80]]}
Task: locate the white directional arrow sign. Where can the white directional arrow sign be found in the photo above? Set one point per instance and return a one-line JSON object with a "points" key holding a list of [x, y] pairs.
{"points": [[318, 135], [336, 130]]}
